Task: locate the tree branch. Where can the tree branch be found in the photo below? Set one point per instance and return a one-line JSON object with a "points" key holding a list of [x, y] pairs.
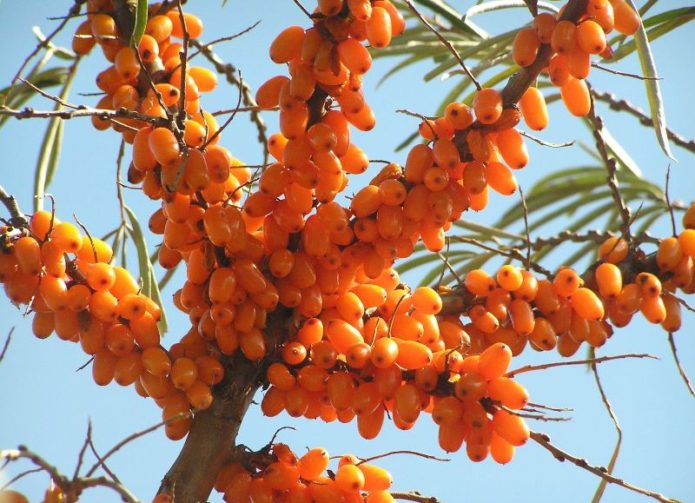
{"points": [[544, 441]]}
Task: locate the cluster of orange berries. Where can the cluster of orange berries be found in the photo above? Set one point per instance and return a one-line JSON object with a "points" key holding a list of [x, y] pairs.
{"points": [[126, 83], [285, 478], [515, 307], [404, 361], [329, 58], [71, 287], [573, 45]]}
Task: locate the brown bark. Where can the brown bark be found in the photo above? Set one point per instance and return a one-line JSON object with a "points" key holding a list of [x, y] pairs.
{"points": [[212, 438]]}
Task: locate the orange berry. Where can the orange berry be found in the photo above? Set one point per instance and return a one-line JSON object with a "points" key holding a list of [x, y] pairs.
{"points": [[587, 304], [494, 361], [591, 37], [487, 105], [576, 97], [525, 47], [533, 109]]}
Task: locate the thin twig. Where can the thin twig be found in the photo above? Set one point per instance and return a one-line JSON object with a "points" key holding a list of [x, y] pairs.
{"points": [[7, 344], [544, 441], [229, 71], [43, 43], [17, 218], [679, 366], [602, 359], [132, 437], [303, 9], [230, 118], [616, 451], [548, 407], [547, 143], [623, 74], [83, 450], [446, 43], [414, 496], [19, 476], [612, 168], [181, 115], [104, 467], [622, 105], [527, 231], [668, 199], [412, 453]]}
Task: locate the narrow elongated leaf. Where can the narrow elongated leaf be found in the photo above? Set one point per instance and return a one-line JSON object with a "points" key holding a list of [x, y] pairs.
{"points": [[656, 103], [455, 18], [22, 92], [49, 155], [506, 4], [619, 152], [140, 23], [487, 230], [150, 286]]}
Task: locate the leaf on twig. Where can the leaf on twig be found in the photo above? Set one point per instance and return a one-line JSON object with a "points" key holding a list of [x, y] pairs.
{"points": [[21, 92], [140, 23], [656, 103], [51, 146], [150, 287]]}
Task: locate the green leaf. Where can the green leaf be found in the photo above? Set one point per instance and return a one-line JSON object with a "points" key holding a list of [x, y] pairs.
{"points": [[49, 155], [150, 287], [22, 92], [487, 230], [451, 15], [656, 103], [619, 152], [140, 23], [507, 4]]}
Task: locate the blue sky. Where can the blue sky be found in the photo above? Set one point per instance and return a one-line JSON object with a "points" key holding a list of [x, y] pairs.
{"points": [[46, 404]]}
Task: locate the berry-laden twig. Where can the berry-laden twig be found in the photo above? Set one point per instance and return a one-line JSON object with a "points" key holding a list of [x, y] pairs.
{"points": [[544, 441]]}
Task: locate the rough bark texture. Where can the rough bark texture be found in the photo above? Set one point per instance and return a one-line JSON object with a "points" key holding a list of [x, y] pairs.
{"points": [[213, 434]]}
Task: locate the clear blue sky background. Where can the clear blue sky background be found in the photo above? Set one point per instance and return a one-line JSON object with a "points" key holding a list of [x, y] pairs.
{"points": [[45, 403]]}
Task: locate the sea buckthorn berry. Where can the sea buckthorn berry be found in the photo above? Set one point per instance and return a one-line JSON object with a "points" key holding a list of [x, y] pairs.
{"points": [[564, 36], [525, 47], [426, 300], [508, 392], [649, 284], [653, 309], [159, 27], [510, 427], [478, 282], [379, 29], [672, 321], [494, 361], [101, 277], [287, 45], [587, 304], [509, 277], [487, 105], [590, 37], [354, 56], [512, 147], [669, 253], [312, 464], [576, 97], [609, 280], [164, 146], [627, 21], [558, 70], [459, 115], [533, 109], [566, 282], [67, 237], [544, 23], [521, 317], [613, 250], [579, 63], [349, 478], [27, 251], [193, 24], [686, 239]]}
